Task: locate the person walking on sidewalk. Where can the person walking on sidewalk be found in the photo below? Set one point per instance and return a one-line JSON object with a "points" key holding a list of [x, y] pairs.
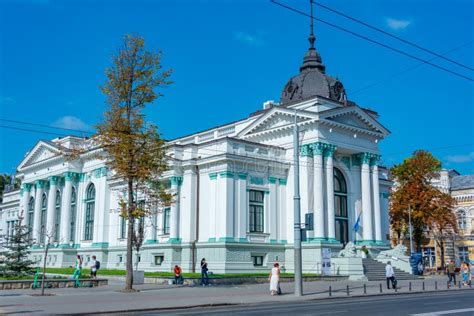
{"points": [[451, 271], [93, 266], [390, 275], [204, 274], [274, 279], [178, 277]]}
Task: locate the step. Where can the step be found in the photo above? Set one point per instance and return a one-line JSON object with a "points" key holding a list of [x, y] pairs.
{"points": [[375, 271]]}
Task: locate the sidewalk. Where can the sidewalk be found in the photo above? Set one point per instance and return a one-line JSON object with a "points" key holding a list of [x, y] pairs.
{"points": [[152, 296]]}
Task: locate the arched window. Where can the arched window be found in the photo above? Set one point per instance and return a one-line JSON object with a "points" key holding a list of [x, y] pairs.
{"points": [[90, 205], [72, 231], [57, 215], [340, 207], [461, 219], [31, 216], [44, 203]]}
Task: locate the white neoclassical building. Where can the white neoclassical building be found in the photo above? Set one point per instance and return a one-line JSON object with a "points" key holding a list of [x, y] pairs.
{"points": [[234, 188]]}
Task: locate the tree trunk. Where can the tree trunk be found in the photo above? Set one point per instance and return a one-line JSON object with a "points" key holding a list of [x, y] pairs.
{"points": [[129, 260], [441, 246], [44, 268]]}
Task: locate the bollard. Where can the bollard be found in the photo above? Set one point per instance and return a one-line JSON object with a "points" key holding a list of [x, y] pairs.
{"points": [[365, 289], [423, 285], [380, 287], [436, 285], [447, 284], [409, 286], [459, 284], [330, 291], [395, 288], [347, 289]]}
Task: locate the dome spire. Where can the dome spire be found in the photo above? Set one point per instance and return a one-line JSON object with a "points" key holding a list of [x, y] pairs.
{"points": [[311, 37], [312, 59]]}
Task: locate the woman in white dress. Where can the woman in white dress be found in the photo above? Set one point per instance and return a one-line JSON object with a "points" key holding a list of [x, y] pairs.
{"points": [[274, 278]]}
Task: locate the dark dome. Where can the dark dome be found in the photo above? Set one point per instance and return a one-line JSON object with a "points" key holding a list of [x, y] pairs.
{"points": [[312, 81]]}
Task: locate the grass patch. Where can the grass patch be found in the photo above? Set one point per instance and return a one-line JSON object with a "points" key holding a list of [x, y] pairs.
{"points": [[115, 272]]}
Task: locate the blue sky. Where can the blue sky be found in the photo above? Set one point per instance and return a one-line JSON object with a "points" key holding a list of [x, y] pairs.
{"points": [[229, 56]]}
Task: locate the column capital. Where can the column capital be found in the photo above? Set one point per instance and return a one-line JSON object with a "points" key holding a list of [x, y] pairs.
{"points": [[40, 184], [71, 176], [226, 174], [26, 186], [369, 158], [329, 150], [272, 180], [306, 151], [243, 176], [317, 148], [53, 180], [375, 160], [100, 172], [176, 180]]}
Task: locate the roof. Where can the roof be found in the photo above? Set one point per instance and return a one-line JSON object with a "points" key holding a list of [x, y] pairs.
{"points": [[462, 182]]}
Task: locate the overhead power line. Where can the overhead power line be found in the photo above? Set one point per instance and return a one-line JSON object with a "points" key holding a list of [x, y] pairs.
{"points": [[33, 130], [391, 35], [374, 41], [46, 126]]}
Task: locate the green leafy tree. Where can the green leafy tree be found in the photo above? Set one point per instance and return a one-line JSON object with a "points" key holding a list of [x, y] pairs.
{"points": [[132, 147], [17, 251]]}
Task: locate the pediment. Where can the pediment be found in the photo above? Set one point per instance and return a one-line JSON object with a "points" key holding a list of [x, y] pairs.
{"points": [[41, 152], [355, 117], [275, 120]]}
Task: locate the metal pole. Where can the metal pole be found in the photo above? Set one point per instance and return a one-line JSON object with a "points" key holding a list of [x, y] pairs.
{"points": [[297, 221], [411, 230]]}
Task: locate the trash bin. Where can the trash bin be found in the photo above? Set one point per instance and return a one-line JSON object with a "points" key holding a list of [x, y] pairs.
{"points": [[415, 258]]}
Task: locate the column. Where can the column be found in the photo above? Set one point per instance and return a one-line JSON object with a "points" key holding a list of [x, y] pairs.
{"points": [[187, 210], [242, 207], [150, 229], [225, 207], [39, 184], [53, 181], [367, 233], [282, 235], [319, 231], [273, 208], [174, 210], [329, 153], [25, 199], [66, 209], [376, 200], [306, 184]]}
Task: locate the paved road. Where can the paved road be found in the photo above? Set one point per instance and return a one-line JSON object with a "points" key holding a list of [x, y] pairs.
{"points": [[432, 304]]}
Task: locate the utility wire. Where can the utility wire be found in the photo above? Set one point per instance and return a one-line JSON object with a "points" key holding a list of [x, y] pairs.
{"points": [[46, 126], [33, 130], [390, 34], [373, 41], [404, 71]]}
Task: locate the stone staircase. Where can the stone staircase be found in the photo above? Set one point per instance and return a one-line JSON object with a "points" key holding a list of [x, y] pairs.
{"points": [[375, 271]]}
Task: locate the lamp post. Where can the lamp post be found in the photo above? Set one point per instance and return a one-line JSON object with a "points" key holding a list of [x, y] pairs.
{"points": [[297, 216]]}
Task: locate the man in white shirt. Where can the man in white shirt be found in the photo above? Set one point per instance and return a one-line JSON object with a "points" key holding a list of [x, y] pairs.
{"points": [[390, 275], [93, 266]]}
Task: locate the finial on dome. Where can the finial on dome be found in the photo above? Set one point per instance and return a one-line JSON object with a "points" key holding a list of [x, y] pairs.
{"points": [[311, 37]]}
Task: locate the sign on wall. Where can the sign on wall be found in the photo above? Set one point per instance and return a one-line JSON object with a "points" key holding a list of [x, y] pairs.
{"points": [[326, 268]]}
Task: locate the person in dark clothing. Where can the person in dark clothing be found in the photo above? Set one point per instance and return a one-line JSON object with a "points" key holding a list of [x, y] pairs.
{"points": [[204, 275], [451, 271]]}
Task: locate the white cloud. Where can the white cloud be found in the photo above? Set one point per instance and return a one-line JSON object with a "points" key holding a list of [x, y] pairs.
{"points": [[397, 24], [71, 122], [461, 158], [249, 39]]}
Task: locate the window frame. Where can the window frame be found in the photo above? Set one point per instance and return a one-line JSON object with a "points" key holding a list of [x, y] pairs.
{"points": [[57, 215], [89, 213], [341, 212], [166, 220], [43, 212], [73, 214], [256, 211]]}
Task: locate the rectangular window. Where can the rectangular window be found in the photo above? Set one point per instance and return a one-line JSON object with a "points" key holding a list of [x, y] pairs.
{"points": [[159, 260], [257, 261], [120, 259], [166, 221], [464, 254], [256, 203], [123, 227]]}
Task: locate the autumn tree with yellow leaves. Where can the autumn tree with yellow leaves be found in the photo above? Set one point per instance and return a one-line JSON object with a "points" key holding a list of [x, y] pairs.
{"points": [[132, 146], [431, 209]]}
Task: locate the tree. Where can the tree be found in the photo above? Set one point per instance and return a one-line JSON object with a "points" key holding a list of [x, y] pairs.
{"points": [[18, 250], [414, 192], [132, 147]]}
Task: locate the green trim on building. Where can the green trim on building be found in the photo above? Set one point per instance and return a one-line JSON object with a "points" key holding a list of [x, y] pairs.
{"points": [[329, 150], [99, 245], [82, 177], [213, 239], [317, 148], [243, 240], [346, 161], [53, 180], [356, 160], [256, 180], [174, 240], [226, 174], [40, 184], [176, 180], [100, 172], [213, 176], [243, 176], [385, 195], [366, 242], [306, 151], [226, 239], [282, 181], [151, 241], [272, 180]]}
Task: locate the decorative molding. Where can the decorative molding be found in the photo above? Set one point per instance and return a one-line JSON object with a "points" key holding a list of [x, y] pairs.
{"points": [[226, 174], [282, 181], [329, 150], [100, 172], [243, 176], [346, 161], [306, 151], [40, 184], [213, 176], [317, 148], [272, 180], [54, 180], [71, 176], [256, 180], [176, 180]]}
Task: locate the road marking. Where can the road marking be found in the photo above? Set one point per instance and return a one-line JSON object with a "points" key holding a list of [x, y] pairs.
{"points": [[443, 302], [330, 312], [452, 311]]}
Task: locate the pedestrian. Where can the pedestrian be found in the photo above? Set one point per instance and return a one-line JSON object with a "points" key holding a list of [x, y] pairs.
{"points": [[465, 273], [451, 271], [390, 275], [77, 268], [274, 279], [93, 266], [204, 274], [78, 262], [420, 268], [178, 278]]}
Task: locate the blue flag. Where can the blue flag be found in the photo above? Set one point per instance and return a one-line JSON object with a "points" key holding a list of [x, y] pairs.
{"points": [[357, 223]]}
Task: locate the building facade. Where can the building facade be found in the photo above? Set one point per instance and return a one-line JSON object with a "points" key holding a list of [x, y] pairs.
{"points": [[461, 247], [233, 187]]}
